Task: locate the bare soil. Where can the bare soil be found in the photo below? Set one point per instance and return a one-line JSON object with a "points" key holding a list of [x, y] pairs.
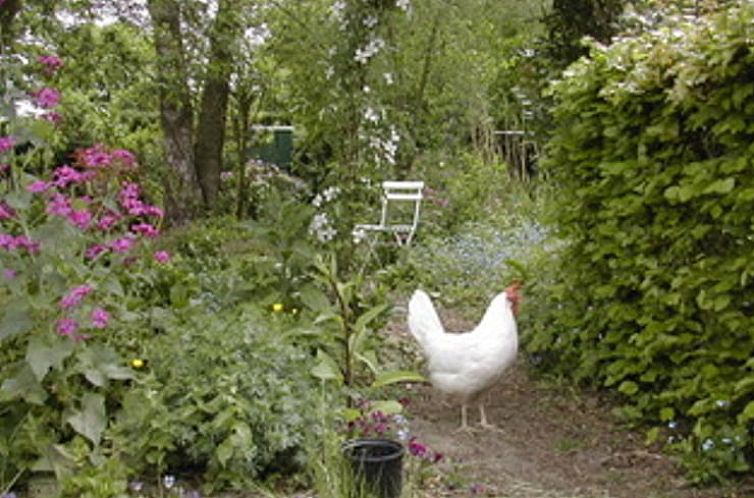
{"points": [[553, 442]]}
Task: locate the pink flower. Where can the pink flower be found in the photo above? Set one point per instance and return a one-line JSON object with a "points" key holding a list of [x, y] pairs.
{"points": [[153, 211], [47, 98], [95, 157], [75, 296], [94, 251], [108, 221], [59, 205], [162, 257], [9, 273], [80, 218], [6, 212], [4, 168], [100, 318], [37, 186], [52, 117], [51, 63], [123, 244], [145, 229], [11, 243], [65, 175], [6, 143], [125, 157], [67, 327]]}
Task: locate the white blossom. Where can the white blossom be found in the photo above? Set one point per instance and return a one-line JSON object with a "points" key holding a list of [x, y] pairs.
{"points": [[370, 50], [404, 5], [388, 78]]}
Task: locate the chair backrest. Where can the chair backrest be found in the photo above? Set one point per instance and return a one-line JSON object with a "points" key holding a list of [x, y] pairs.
{"points": [[405, 192]]}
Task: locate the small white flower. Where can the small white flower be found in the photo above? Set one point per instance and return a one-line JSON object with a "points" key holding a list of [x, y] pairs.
{"points": [[708, 444], [404, 5], [370, 21], [721, 403], [317, 201], [672, 424], [371, 115], [404, 435], [329, 72], [168, 481], [358, 236], [388, 78]]}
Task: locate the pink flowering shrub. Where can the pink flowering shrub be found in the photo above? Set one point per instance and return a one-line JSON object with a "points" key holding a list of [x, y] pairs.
{"points": [[69, 242]]}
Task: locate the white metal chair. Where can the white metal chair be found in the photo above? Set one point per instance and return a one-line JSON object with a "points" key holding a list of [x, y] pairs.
{"points": [[402, 227]]}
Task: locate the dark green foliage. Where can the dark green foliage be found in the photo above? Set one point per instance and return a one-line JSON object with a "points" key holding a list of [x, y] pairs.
{"points": [[654, 150]]}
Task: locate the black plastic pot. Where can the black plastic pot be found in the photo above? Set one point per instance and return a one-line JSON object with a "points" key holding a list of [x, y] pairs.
{"points": [[377, 465]]}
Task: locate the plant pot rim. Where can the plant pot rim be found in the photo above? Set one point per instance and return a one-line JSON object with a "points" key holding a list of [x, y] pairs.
{"points": [[357, 443]]}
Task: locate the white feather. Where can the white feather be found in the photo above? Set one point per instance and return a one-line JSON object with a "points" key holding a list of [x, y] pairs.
{"points": [[465, 364]]}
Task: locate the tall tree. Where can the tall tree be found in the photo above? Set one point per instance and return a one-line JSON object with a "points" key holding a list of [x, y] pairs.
{"points": [[182, 193], [210, 135]]}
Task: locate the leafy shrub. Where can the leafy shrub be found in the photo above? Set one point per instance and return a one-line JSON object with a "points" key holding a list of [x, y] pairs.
{"points": [[653, 299], [226, 397]]}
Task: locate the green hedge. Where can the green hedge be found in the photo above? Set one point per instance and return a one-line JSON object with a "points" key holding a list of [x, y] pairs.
{"points": [[654, 296]]}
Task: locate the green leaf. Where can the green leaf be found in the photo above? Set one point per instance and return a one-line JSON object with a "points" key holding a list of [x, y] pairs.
{"points": [[667, 414], [44, 355], [24, 385], [723, 186], [628, 387], [16, 320], [368, 316], [387, 406], [747, 413], [100, 363], [326, 368], [91, 420], [397, 377], [314, 299]]}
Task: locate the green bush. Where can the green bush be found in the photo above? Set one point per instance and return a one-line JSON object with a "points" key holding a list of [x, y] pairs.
{"points": [[653, 298], [226, 397]]}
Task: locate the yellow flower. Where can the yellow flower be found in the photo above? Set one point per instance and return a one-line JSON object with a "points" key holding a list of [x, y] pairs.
{"points": [[277, 307], [137, 363]]}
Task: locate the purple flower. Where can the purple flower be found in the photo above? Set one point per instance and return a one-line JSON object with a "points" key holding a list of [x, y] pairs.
{"points": [[67, 327], [52, 117], [417, 449], [100, 318], [51, 63], [59, 205], [11, 243], [66, 175], [37, 186], [162, 256], [153, 211], [108, 221], [75, 296], [6, 143], [95, 157], [4, 168], [80, 218], [125, 157], [47, 98], [6, 212], [122, 245], [94, 251], [145, 229], [9, 273]]}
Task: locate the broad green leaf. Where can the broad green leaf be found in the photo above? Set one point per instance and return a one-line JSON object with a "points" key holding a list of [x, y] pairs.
{"points": [[44, 355], [24, 385], [397, 377], [314, 299], [16, 320], [326, 368], [667, 414], [90, 421]]}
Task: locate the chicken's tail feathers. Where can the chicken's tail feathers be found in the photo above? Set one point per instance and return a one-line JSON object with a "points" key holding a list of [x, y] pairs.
{"points": [[423, 321]]}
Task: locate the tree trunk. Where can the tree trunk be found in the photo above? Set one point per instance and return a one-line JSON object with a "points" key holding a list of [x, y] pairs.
{"points": [[182, 194], [214, 102]]}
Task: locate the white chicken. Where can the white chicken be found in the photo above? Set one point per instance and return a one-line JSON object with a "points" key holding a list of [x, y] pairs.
{"points": [[466, 365]]}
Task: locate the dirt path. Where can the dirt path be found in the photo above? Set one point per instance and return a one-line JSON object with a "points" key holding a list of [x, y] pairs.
{"points": [[552, 444]]}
